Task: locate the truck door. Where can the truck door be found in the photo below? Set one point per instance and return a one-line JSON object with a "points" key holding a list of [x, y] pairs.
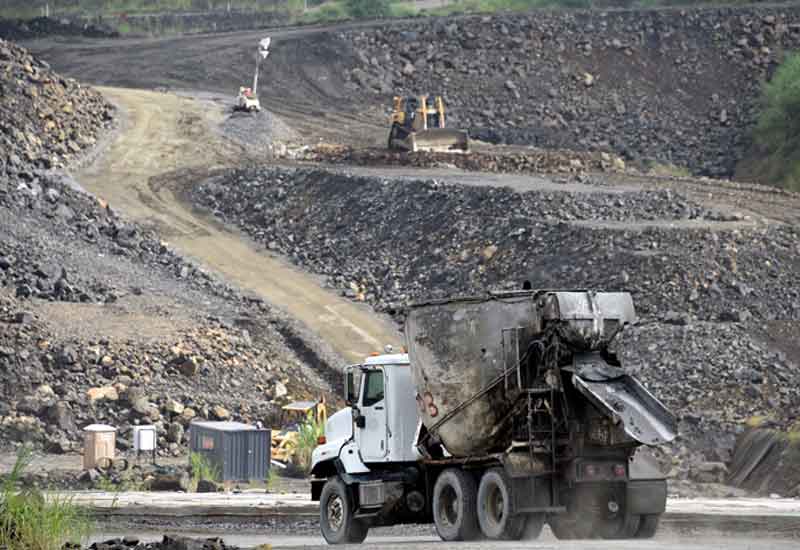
{"points": [[371, 435]]}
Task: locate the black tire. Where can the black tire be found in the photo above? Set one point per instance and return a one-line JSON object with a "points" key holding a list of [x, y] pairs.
{"points": [[582, 518], [336, 515], [648, 525], [624, 527], [496, 507], [454, 506], [534, 526]]}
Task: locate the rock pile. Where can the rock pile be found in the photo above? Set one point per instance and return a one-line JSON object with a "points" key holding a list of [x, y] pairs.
{"points": [[74, 277], [530, 161], [672, 86], [46, 121], [167, 543], [393, 242], [43, 27], [700, 292], [52, 387]]}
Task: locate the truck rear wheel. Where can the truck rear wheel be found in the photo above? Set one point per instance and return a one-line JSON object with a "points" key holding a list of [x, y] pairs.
{"points": [[496, 507], [336, 515], [648, 525], [454, 506]]}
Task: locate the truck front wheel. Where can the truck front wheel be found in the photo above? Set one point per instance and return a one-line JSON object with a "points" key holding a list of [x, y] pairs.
{"points": [[454, 503], [336, 515], [496, 507]]}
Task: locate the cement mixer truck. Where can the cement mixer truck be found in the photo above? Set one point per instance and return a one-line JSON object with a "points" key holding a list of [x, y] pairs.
{"points": [[509, 411]]}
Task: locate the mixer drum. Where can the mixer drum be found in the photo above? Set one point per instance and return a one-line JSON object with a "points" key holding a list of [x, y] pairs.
{"points": [[456, 352]]}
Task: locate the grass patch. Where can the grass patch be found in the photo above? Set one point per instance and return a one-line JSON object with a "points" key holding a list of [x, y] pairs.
{"points": [[28, 521], [201, 469], [309, 432]]}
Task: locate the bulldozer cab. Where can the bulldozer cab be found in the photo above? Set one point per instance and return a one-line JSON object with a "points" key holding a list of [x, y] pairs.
{"points": [[285, 438], [293, 414]]}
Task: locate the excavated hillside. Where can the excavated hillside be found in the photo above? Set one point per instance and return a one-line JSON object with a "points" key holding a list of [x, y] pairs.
{"points": [[101, 320], [667, 86], [706, 286]]}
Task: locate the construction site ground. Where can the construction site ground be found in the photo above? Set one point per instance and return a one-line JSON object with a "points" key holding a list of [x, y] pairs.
{"points": [[175, 96]]}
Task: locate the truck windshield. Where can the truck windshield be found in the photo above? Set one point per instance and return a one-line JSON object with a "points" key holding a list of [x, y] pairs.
{"points": [[373, 392]]}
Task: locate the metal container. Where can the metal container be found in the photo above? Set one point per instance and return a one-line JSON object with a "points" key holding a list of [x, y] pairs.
{"points": [[144, 438], [457, 354], [239, 452], [99, 446]]}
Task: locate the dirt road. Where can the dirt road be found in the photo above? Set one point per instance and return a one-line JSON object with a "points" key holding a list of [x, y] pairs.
{"points": [[167, 144]]}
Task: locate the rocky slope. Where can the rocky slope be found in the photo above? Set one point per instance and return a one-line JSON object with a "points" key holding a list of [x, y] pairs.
{"points": [[45, 120], [701, 293], [100, 320], [671, 86]]}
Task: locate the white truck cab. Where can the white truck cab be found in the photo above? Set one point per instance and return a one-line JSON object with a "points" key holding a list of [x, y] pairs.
{"points": [[380, 422]]}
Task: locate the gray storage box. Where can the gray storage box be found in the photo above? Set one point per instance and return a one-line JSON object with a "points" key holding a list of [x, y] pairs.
{"points": [[240, 452]]}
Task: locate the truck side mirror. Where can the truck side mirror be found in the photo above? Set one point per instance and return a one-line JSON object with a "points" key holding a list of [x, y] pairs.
{"points": [[350, 396]]}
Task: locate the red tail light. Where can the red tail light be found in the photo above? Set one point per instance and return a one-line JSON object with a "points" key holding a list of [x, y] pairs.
{"points": [[619, 470], [321, 440]]}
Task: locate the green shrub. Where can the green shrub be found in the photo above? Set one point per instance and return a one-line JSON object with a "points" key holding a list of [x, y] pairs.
{"points": [[201, 469], [309, 433], [29, 521], [364, 9], [778, 131]]}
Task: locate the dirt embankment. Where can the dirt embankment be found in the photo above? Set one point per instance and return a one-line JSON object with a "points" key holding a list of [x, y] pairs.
{"points": [[702, 286]]}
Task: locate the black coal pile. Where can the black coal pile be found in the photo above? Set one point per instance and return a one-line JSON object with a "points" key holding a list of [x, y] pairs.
{"points": [[672, 86], [699, 292], [42, 27], [46, 121]]}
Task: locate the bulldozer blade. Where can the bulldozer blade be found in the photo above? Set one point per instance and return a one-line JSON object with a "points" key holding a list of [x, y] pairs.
{"points": [[437, 140]]}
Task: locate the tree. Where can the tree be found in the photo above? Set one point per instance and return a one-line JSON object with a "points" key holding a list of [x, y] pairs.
{"points": [[364, 9], [778, 131]]}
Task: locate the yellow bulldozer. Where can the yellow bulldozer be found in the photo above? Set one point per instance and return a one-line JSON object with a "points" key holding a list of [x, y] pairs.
{"points": [[418, 124]]}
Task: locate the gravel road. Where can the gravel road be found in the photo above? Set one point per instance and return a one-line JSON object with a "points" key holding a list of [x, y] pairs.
{"points": [[546, 541]]}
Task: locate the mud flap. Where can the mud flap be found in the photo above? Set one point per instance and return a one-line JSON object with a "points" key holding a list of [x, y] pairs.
{"points": [[646, 497], [642, 416]]}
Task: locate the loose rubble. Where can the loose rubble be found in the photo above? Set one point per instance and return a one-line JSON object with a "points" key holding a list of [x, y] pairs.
{"points": [[100, 320], [167, 543], [676, 87], [530, 160], [46, 121], [699, 292], [42, 27]]}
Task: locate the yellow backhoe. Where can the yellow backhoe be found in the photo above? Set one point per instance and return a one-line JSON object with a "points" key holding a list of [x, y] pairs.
{"points": [[285, 439], [418, 124]]}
